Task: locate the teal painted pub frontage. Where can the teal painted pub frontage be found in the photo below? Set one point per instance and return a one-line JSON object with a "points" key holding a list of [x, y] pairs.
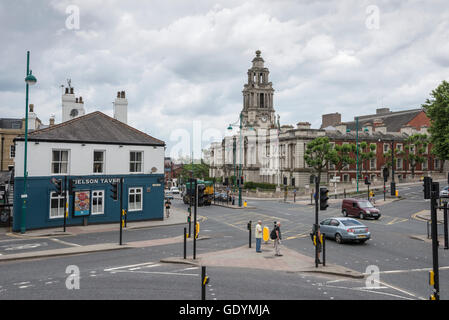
{"points": [[143, 198]]}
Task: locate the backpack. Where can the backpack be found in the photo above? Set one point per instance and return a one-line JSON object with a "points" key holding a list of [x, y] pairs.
{"points": [[273, 234]]}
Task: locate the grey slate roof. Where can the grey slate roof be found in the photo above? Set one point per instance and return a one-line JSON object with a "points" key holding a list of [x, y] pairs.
{"points": [[95, 127], [7, 123], [365, 136], [393, 120]]}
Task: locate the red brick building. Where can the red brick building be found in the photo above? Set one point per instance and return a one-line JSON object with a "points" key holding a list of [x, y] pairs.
{"points": [[385, 130]]}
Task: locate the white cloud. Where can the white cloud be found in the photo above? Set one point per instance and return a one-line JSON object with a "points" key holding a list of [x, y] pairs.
{"points": [[181, 61]]}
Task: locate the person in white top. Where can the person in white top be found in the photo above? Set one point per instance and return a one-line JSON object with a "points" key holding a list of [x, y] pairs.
{"points": [[258, 236]]}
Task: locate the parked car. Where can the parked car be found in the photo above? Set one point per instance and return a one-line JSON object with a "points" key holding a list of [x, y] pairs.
{"points": [[345, 229], [359, 208], [445, 192], [174, 190]]}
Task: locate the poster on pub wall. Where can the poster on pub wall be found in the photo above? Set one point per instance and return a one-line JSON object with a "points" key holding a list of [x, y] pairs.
{"points": [[82, 203]]}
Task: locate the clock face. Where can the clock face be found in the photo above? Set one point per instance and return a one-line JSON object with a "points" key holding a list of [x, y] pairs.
{"points": [[264, 118], [73, 112]]}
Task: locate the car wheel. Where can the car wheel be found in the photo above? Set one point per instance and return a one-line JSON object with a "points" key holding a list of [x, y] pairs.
{"points": [[338, 238], [345, 213], [362, 216], [363, 241], [376, 218]]}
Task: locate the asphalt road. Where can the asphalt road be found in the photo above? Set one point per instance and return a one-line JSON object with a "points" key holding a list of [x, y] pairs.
{"points": [[137, 273]]}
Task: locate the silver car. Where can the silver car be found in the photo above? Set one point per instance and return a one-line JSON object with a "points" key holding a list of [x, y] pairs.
{"points": [[445, 192], [345, 229]]}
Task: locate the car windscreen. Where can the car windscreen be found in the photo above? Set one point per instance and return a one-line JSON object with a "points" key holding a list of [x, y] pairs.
{"points": [[365, 204], [349, 223]]}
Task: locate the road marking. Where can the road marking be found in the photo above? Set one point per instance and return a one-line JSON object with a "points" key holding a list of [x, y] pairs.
{"points": [[130, 266], [396, 220], [161, 272], [409, 270], [65, 242]]}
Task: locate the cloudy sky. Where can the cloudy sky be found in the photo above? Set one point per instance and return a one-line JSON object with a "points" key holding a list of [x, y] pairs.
{"points": [[186, 60]]}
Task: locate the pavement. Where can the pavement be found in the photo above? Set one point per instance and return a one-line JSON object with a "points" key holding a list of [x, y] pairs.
{"points": [[240, 257], [177, 216], [245, 257]]}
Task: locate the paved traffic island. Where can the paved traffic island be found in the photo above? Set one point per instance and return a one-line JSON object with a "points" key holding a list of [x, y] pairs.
{"points": [[244, 257]]}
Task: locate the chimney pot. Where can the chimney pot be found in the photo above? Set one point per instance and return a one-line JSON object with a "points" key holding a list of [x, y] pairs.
{"points": [[31, 107], [66, 90], [76, 100], [118, 94], [71, 90]]}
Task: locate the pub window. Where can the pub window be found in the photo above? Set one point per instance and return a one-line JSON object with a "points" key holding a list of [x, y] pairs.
{"points": [[98, 161], [56, 206], [97, 202], [135, 199], [135, 161], [60, 161]]}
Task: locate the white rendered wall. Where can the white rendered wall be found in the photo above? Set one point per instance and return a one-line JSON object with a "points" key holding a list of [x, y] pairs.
{"points": [[116, 159]]}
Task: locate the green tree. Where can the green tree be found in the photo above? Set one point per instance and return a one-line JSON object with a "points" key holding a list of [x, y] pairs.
{"points": [[416, 147], [319, 153], [366, 153], [199, 170], [343, 156], [437, 109]]}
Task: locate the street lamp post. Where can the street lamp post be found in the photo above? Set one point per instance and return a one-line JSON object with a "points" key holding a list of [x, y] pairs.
{"points": [[29, 80]]}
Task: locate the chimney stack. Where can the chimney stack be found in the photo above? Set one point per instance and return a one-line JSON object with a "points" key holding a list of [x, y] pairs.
{"points": [[52, 120], [121, 107]]}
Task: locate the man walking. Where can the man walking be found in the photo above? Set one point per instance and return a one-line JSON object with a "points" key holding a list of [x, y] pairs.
{"points": [[258, 236], [277, 240]]}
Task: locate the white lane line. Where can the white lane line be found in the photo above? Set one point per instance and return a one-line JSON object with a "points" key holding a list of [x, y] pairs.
{"points": [[369, 290], [161, 272], [130, 266], [65, 242], [409, 270]]}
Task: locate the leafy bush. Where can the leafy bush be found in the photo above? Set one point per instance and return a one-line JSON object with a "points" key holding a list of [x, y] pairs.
{"points": [[260, 185]]}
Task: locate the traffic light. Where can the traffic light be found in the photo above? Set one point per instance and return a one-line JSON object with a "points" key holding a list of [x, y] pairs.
{"points": [[385, 174], [58, 186], [71, 187], [323, 198], [427, 187], [114, 191], [241, 180], [367, 180]]}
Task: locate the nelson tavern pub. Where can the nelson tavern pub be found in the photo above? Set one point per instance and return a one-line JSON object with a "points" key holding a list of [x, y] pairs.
{"points": [[87, 154]]}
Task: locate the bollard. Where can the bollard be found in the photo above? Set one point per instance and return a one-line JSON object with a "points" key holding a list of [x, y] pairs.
{"points": [[323, 247], [344, 192], [249, 229], [204, 282], [185, 242]]}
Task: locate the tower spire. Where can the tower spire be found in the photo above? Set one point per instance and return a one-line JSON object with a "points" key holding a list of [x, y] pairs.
{"points": [[258, 92]]}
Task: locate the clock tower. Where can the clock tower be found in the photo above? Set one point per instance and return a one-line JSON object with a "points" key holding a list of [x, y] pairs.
{"points": [[258, 109]]}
